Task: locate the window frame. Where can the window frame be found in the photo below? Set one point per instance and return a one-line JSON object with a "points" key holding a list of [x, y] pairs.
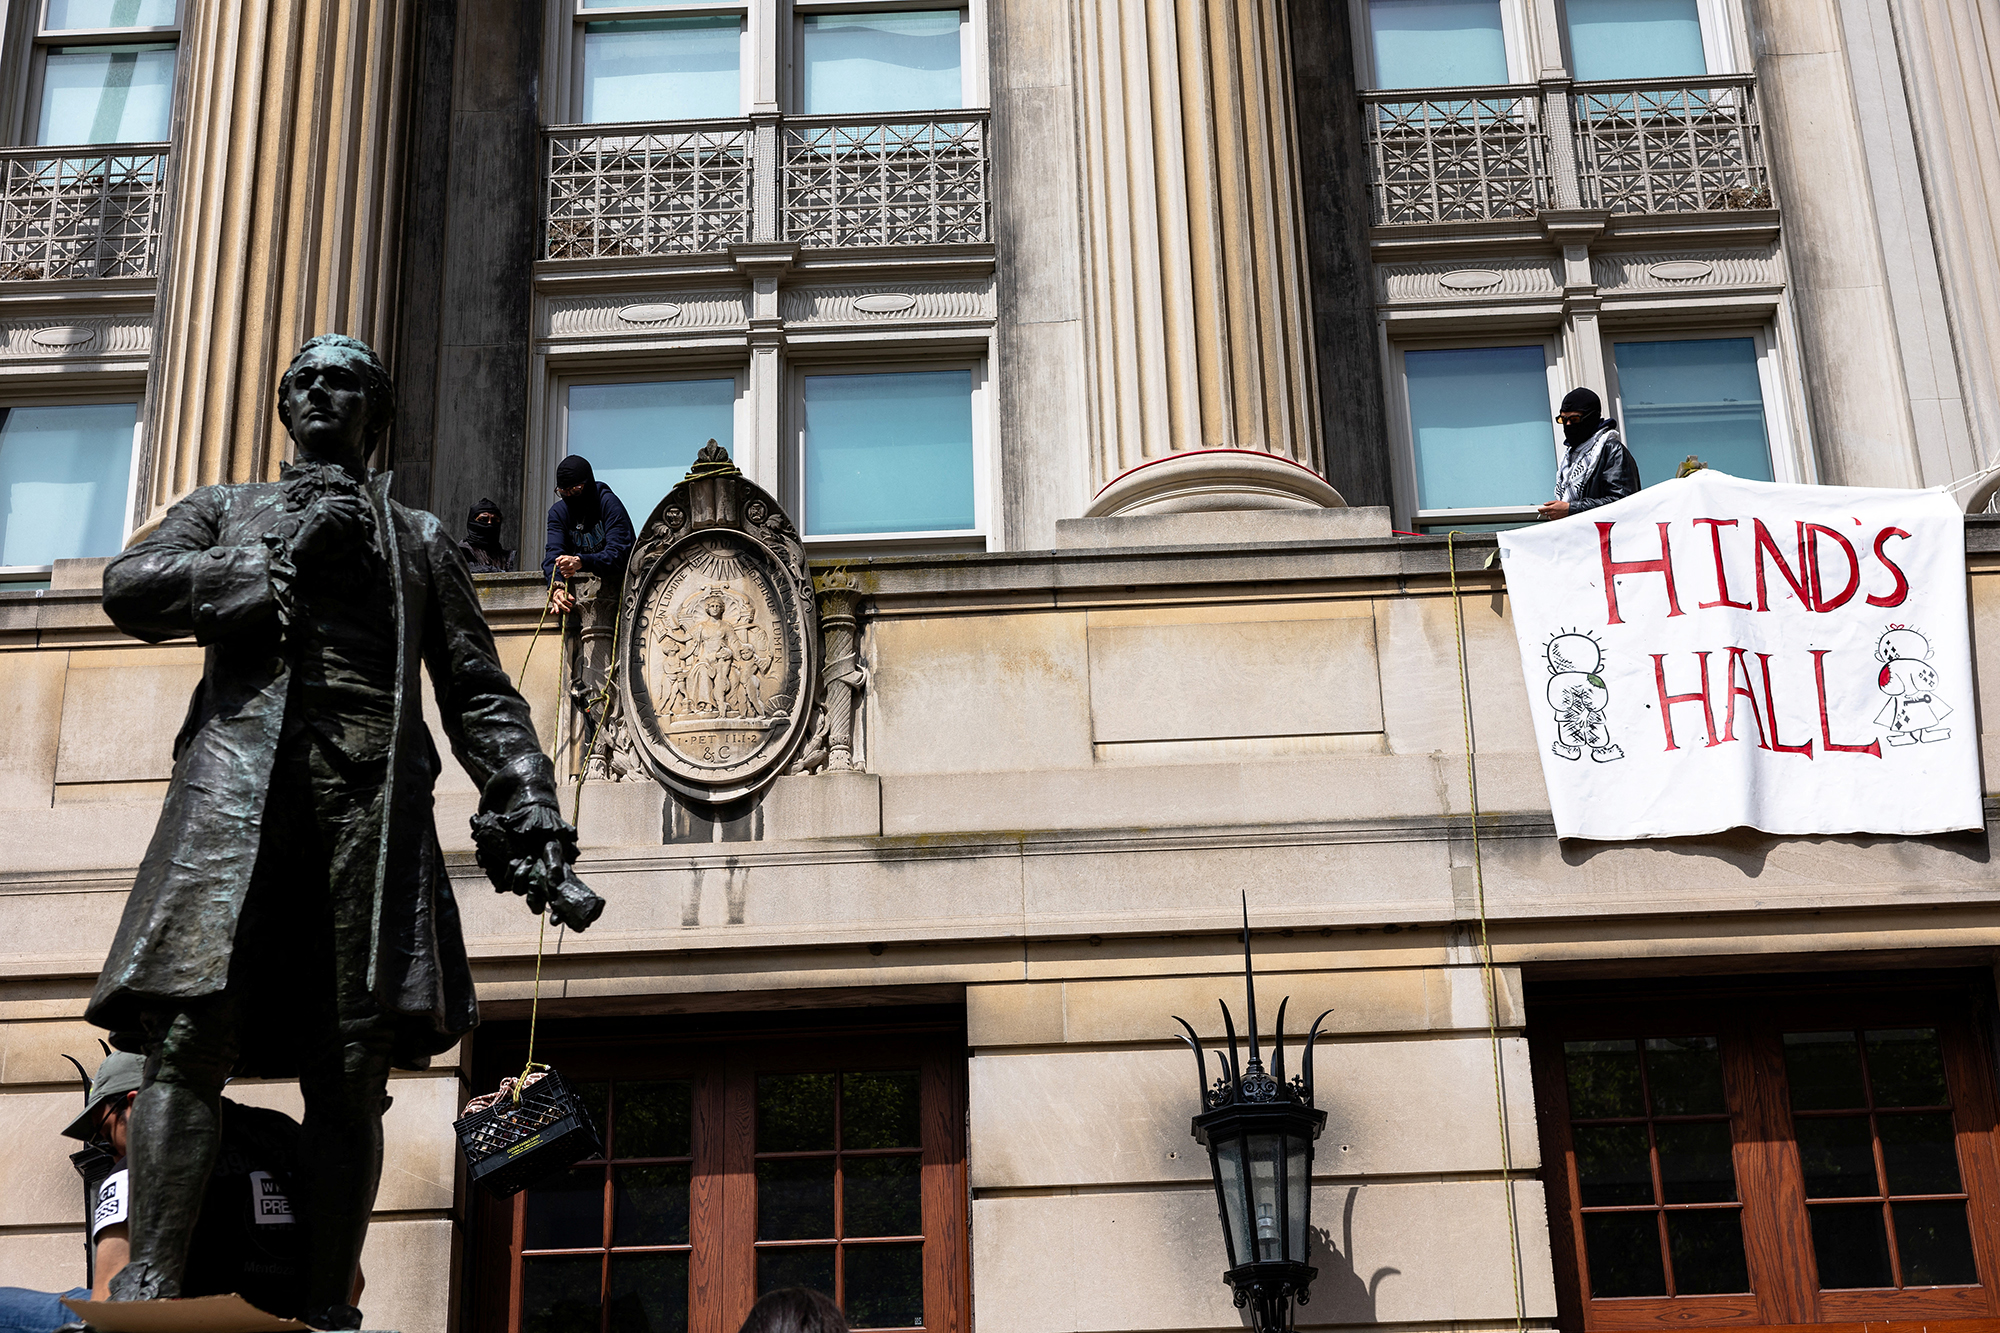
{"points": [[972, 90], [30, 68], [1403, 429], [1517, 34], [110, 389], [1778, 437], [555, 446], [1748, 1017], [569, 86], [722, 1205], [865, 361], [1721, 46]]}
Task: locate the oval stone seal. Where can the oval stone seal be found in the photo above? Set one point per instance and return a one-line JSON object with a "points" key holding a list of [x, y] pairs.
{"points": [[719, 669]]}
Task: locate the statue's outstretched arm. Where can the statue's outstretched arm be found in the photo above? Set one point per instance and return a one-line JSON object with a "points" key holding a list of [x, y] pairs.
{"points": [[179, 581]]}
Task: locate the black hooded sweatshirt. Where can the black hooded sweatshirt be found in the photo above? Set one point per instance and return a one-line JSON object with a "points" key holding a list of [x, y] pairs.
{"points": [[481, 544]]}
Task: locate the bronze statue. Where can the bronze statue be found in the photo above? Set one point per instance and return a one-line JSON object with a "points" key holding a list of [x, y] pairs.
{"points": [[292, 916]]}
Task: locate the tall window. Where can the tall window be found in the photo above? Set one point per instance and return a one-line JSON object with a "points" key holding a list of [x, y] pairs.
{"points": [[888, 452], [65, 478], [662, 66], [1749, 1154], [642, 437], [734, 1168], [103, 72], [1635, 39], [1436, 43], [1699, 396], [881, 61], [1482, 427]]}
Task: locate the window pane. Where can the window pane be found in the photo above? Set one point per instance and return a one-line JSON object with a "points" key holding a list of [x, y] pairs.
{"points": [[880, 1111], [64, 473], [795, 1266], [889, 452], [1934, 1244], [649, 1205], [1851, 1247], [795, 1199], [795, 1113], [1624, 1254], [1611, 1165], [1635, 39], [566, 1213], [1906, 1068], [882, 1196], [1707, 1251], [1684, 1075], [1838, 1157], [1603, 1079], [1481, 421], [106, 94], [885, 1286], [1695, 1163], [67, 14], [649, 1293], [882, 62], [1824, 1070], [654, 1119], [661, 69], [1437, 43], [561, 1295], [641, 439], [1697, 396], [1920, 1153]]}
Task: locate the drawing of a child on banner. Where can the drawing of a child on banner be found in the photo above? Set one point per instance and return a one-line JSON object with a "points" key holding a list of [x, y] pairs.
{"points": [[1913, 711]]}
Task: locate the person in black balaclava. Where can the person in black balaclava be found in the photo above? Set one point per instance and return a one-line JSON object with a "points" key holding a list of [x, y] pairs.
{"points": [[482, 548], [1596, 466], [589, 530]]}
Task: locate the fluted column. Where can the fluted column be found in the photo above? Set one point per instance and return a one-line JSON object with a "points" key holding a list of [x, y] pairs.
{"points": [[1200, 338], [287, 156]]}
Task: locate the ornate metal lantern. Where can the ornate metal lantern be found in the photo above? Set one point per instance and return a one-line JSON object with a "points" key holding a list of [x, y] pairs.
{"points": [[1259, 1132]]}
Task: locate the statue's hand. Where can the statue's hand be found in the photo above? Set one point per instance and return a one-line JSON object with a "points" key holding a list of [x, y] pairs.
{"points": [[331, 521], [571, 903]]}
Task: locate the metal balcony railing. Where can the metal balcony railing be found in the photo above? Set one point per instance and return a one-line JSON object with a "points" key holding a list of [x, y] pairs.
{"points": [[1476, 154], [914, 178], [1457, 155], [1670, 145], [81, 212], [653, 189]]}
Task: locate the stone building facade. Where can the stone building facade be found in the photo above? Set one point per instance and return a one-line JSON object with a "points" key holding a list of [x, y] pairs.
{"points": [[1134, 359]]}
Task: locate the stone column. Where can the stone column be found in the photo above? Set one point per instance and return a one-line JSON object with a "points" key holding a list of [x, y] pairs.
{"points": [[1200, 334], [288, 167], [839, 608]]}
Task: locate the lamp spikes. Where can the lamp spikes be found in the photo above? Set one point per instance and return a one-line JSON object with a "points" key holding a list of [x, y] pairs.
{"points": [[1306, 1061], [1235, 1072], [1200, 1060], [1250, 984], [1278, 1045]]}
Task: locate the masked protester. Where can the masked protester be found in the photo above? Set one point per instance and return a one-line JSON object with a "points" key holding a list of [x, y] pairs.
{"points": [[481, 545], [589, 530], [1596, 466]]}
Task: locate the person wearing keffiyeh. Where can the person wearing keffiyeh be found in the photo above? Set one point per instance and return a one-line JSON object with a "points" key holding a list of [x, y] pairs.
{"points": [[1596, 467]]}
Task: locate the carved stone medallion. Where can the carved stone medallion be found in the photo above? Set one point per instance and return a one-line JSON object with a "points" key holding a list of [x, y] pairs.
{"points": [[718, 662]]}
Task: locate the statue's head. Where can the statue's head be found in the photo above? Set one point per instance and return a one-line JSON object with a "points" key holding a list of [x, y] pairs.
{"points": [[336, 397], [713, 605]]}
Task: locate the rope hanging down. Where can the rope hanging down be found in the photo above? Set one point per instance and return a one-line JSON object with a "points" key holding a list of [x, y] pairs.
{"points": [[1489, 973]]}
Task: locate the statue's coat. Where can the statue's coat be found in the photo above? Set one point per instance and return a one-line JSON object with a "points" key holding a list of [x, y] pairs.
{"points": [[207, 572]]}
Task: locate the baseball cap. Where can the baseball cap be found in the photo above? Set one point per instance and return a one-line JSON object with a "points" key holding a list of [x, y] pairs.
{"points": [[121, 1072]]}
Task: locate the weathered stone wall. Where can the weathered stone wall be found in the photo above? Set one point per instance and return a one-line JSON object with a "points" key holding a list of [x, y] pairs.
{"points": [[1076, 760]]}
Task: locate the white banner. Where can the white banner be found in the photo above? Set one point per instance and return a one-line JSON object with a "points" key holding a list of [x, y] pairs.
{"points": [[1714, 653]]}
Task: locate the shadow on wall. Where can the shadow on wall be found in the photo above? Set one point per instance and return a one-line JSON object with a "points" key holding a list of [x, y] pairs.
{"points": [[1339, 1295]]}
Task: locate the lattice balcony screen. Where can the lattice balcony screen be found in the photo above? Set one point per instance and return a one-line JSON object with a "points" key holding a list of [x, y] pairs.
{"points": [[1670, 146], [81, 214], [662, 190], [1479, 154], [850, 181]]}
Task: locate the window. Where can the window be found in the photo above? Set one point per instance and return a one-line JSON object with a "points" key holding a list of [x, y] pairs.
{"points": [[732, 1167], [881, 61], [66, 477], [671, 67], [103, 72], [1635, 39], [1752, 1154], [1700, 396], [1482, 427], [888, 452], [642, 437], [1436, 43]]}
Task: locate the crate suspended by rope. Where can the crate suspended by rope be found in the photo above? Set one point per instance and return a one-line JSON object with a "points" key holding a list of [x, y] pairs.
{"points": [[531, 1129]]}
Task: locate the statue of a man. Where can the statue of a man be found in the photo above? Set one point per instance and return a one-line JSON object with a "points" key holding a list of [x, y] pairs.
{"points": [[292, 916]]}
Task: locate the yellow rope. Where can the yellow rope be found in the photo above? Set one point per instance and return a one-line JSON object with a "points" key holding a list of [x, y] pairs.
{"points": [[534, 1005], [542, 930], [1491, 976]]}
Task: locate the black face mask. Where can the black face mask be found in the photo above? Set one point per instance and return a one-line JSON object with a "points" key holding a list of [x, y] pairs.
{"points": [[583, 507], [483, 532], [1576, 432]]}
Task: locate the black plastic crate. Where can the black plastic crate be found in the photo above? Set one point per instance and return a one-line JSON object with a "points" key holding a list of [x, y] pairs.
{"points": [[510, 1145]]}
